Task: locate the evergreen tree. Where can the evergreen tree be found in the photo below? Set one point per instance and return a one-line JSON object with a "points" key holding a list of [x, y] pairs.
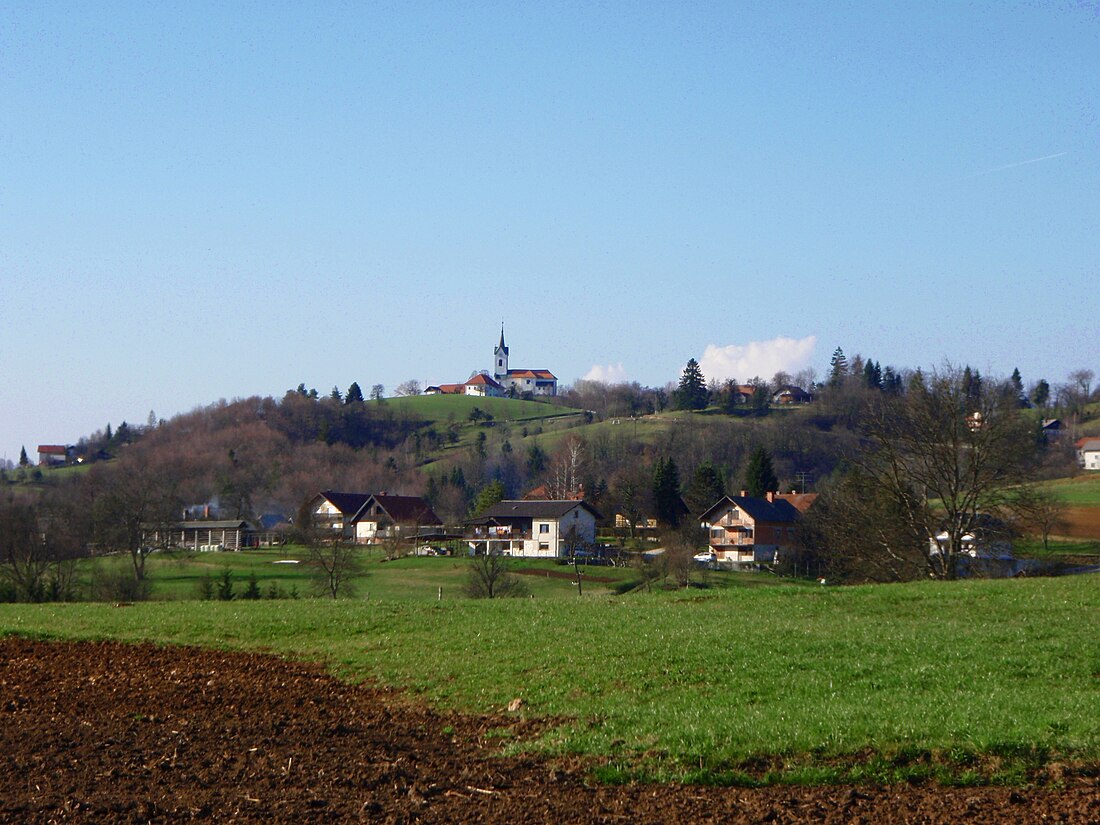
{"points": [[691, 394], [838, 368], [1018, 387], [354, 394], [760, 477], [23, 460], [536, 461], [1040, 395], [891, 382], [492, 493], [335, 395], [666, 492], [730, 397], [706, 487]]}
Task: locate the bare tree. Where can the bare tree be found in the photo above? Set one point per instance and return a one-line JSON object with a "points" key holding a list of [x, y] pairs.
{"points": [[564, 477], [410, 387], [1038, 511], [490, 578], [138, 502], [856, 531], [945, 455], [334, 559]]}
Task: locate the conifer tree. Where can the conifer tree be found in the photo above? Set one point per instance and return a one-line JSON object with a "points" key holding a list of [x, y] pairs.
{"points": [[691, 394], [760, 477], [1018, 387], [838, 368], [354, 394], [23, 460], [666, 492], [706, 487]]}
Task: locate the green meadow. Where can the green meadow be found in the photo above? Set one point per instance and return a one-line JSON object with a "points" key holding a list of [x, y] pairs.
{"points": [[287, 572], [963, 682]]}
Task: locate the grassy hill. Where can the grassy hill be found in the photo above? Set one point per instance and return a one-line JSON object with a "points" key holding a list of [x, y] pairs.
{"points": [[444, 408]]}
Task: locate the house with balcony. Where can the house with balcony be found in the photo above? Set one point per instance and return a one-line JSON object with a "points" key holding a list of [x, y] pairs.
{"points": [[744, 530], [533, 529]]}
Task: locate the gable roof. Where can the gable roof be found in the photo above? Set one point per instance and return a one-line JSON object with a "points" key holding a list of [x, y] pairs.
{"points": [[801, 501], [535, 509], [482, 379], [402, 509], [347, 503], [759, 509], [544, 375]]}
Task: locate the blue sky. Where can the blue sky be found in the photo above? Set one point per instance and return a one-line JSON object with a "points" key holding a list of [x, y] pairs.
{"points": [[210, 200]]}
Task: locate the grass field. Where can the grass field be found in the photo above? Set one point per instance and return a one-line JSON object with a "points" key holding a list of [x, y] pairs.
{"points": [[458, 408], [178, 575], [1078, 491], [968, 681]]}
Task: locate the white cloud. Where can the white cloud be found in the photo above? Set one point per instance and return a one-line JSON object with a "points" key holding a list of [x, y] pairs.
{"points": [[757, 358], [611, 374]]}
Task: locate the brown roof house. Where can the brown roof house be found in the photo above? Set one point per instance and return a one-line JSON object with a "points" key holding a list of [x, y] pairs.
{"points": [[751, 531], [369, 518]]}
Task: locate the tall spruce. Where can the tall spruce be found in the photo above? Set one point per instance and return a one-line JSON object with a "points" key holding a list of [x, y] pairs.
{"points": [[705, 488], [691, 394], [760, 476], [354, 395], [838, 368], [666, 492]]}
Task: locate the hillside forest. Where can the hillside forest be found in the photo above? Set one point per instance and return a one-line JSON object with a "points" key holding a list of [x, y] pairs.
{"points": [[894, 455]]}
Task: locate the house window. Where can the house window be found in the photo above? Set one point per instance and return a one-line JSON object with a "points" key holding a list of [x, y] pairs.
{"points": [[544, 546], [544, 528]]}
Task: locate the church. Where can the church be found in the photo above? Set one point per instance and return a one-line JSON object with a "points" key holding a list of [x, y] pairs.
{"points": [[504, 381]]}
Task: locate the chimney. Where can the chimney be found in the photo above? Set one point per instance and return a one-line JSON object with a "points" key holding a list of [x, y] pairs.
{"points": [[744, 493], [770, 495]]}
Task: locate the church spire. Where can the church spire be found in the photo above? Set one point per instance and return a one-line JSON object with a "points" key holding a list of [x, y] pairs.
{"points": [[500, 357]]}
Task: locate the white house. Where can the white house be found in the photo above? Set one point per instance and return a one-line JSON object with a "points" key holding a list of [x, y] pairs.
{"points": [[536, 529], [1088, 453], [372, 517]]}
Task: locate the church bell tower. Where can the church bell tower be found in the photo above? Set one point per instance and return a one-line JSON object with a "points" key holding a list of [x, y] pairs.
{"points": [[500, 358]]}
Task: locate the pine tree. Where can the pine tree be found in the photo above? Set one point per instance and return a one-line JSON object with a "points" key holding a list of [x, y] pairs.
{"points": [[1018, 387], [760, 477], [1040, 395], [23, 460], [838, 368], [354, 394], [691, 394], [706, 487], [491, 494], [666, 492]]}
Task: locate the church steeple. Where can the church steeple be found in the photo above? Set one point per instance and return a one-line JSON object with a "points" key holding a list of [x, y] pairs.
{"points": [[500, 357]]}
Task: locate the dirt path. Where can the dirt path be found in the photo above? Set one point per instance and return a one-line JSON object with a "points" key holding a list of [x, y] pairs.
{"points": [[115, 733]]}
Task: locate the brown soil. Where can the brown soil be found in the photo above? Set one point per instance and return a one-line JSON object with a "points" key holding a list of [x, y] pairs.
{"points": [[1083, 522], [113, 733]]}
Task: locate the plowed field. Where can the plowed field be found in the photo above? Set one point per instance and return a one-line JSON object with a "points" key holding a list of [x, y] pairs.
{"points": [[113, 733], [1083, 522]]}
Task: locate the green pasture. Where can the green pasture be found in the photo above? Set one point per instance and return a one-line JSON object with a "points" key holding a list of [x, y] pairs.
{"points": [[1079, 490], [964, 682], [444, 408], [178, 574]]}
